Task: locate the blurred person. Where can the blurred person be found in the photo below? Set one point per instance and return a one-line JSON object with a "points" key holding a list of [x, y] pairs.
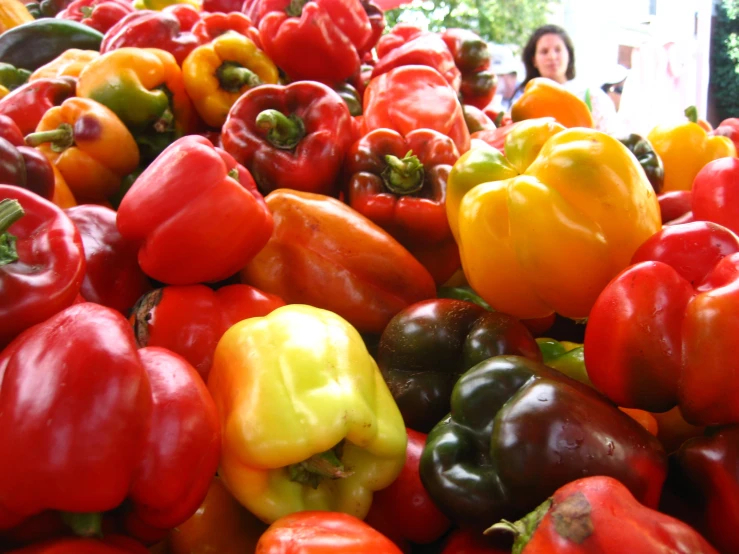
{"points": [[509, 72], [613, 83]]}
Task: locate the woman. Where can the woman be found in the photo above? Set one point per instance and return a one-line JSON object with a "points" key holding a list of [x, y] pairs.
{"points": [[550, 53]]}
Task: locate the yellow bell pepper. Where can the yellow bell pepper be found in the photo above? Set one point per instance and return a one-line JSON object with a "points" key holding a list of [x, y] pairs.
{"points": [[685, 148], [12, 14], [307, 420], [69, 63], [543, 97], [217, 73], [551, 239], [159, 5]]}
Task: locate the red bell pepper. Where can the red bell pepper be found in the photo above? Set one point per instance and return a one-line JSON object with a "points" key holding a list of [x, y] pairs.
{"points": [[317, 40], [399, 183], [109, 545], [113, 424], [469, 50], [190, 320], [377, 22], [98, 14], [169, 30], [494, 137], [674, 204], [477, 120], [716, 193], [401, 33], [478, 89], [42, 263], [292, 136], [113, 277], [26, 167], [9, 131], [196, 213], [414, 97], [404, 511], [599, 514], [222, 6], [728, 128], [323, 533], [212, 25], [662, 333], [468, 541], [27, 104]]}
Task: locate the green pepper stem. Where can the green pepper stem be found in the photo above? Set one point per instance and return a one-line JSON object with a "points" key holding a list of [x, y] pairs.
{"points": [[60, 138], [283, 132], [86, 11], [10, 212], [165, 122], [403, 176], [691, 112], [295, 8], [325, 465], [233, 77], [84, 524], [524, 528]]}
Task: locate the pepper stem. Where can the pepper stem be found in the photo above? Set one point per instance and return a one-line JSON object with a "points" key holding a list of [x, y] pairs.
{"points": [[10, 212], [283, 132], [403, 176], [165, 122], [86, 11], [295, 8], [691, 112], [326, 465], [60, 138], [84, 524], [524, 528], [233, 77]]}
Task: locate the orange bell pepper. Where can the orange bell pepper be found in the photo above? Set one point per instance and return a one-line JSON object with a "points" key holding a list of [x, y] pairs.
{"points": [[69, 63], [543, 97]]}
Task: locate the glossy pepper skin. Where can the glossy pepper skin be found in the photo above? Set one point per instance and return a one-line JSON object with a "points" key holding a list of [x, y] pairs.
{"points": [[518, 430], [399, 183], [169, 30], [109, 545], [673, 309], [11, 78], [194, 198], [215, 24], [190, 320], [715, 193], [87, 356], [27, 104], [325, 254], [98, 14], [27, 168], [216, 74], [113, 277], [314, 532], [472, 58], [600, 515], [293, 136], [543, 97], [648, 159], [329, 34], [566, 357], [428, 345], [89, 145], [69, 64], [684, 149], [415, 97], [299, 442], [593, 206], [42, 263]]}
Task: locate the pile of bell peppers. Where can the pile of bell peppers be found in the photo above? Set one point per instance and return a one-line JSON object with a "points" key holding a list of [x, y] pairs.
{"points": [[275, 277]]}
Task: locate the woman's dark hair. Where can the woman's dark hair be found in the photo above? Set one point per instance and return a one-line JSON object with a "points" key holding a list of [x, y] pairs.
{"points": [[529, 51]]}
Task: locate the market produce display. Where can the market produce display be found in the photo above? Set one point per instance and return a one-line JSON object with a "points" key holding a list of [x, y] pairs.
{"points": [[278, 278]]}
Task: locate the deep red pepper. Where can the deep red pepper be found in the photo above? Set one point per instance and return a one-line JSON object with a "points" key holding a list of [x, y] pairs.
{"points": [[113, 277], [377, 22], [728, 128], [468, 541], [9, 131], [109, 545], [293, 136], [27, 104], [477, 120], [42, 263], [212, 25], [169, 29], [674, 204], [715, 193], [98, 14], [222, 6], [190, 320], [470, 51], [478, 89], [26, 167], [116, 408]]}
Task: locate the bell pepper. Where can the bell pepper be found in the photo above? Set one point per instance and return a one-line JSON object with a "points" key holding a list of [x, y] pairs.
{"points": [[674, 204], [213, 25], [518, 430], [90, 146], [190, 320], [317, 532], [86, 357], [292, 439], [69, 64], [11, 78], [218, 73], [543, 97], [10, 131], [12, 14], [145, 89], [219, 525], [98, 14], [399, 183], [169, 30], [428, 345], [113, 277], [649, 159], [566, 357], [415, 97], [685, 148], [293, 136], [585, 195], [109, 545], [661, 333], [325, 254], [27, 168], [377, 21], [470, 52], [478, 89], [222, 6], [673, 430], [27, 104], [472, 541], [494, 137], [600, 514], [42, 263], [728, 128], [404, 511], [716, 193], [40, 9], [315, 40], [194, 198], [163, 4], [477, 120], [63, 197]]}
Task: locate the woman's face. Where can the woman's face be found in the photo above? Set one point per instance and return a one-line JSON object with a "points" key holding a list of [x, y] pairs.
{"points": [[551, 58]]}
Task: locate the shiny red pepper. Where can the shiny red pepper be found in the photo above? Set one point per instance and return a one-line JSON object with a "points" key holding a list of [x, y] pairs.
{"points": [[715, 193], [109, 545], [26, 167], [212, 25], [377, 23], [98, 14], [27, 104], [42, 263], [9, 131], [222, 6]]}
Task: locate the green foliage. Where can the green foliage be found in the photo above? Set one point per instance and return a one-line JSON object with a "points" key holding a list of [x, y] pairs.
{"points": [[498, 21], [724, 80]]}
